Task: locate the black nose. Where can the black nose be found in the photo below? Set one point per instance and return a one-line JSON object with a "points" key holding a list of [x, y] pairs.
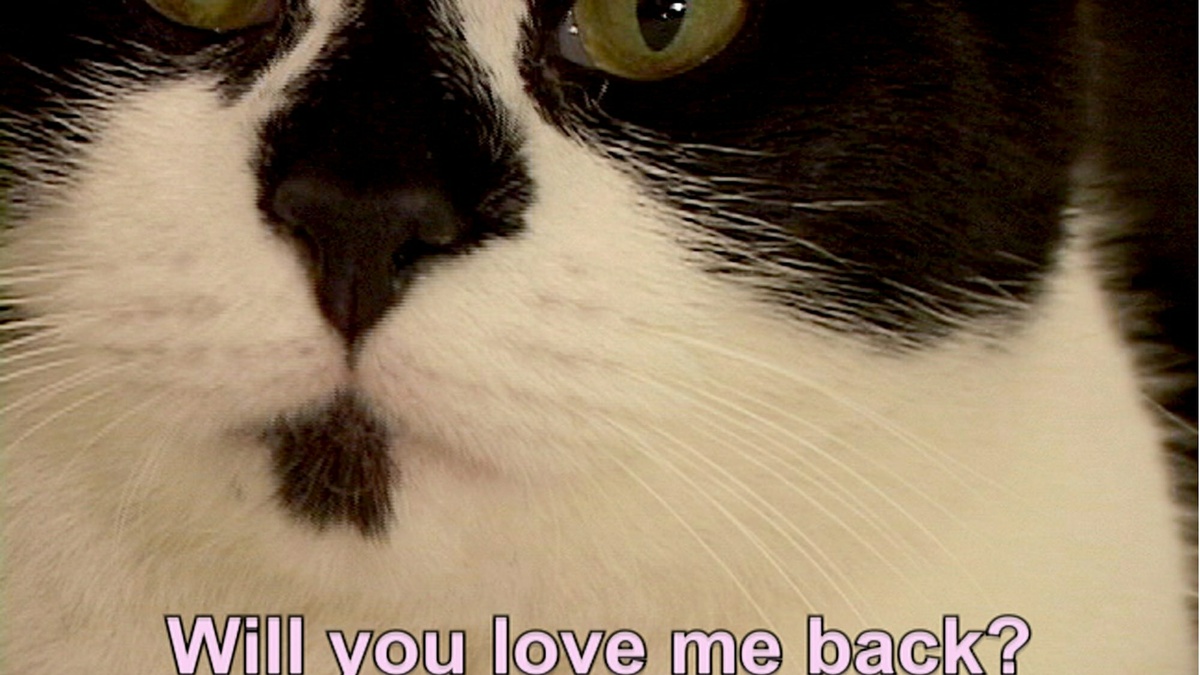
{"points": [[363, 245]]}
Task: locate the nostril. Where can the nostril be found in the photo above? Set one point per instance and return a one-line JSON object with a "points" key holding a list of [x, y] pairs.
{"points": [[363, 246], [284, 204], [433, 217], [301, 200]]}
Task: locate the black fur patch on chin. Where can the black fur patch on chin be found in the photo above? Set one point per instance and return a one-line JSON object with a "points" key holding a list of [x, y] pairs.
{"points": [[333, 465]]}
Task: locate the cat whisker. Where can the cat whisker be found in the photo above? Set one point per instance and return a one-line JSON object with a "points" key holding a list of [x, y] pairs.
{"points": [[834, 205], [78, 403], [928, 304], [649, 453], [22, 269], [11, 276], [127, 68], [146, 469], [65, 384], [17, 345], [86, 76], [48, 321], [925, 450], [872, 486], [758, 426], [31, 370], [937, 458], [27, 324], [1173, 418], [20, 351], [734, 222], [706, 148], [1002, 292], [772, 519], [24, 301], [57, 322], [57, 78], [759, 264]]}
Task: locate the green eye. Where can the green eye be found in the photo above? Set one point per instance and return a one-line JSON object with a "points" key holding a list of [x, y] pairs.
{"points": [[654, 39], [217, 15]]}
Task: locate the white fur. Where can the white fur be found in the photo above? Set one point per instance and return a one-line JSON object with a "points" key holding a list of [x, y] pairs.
{"points": [[596, 434]]}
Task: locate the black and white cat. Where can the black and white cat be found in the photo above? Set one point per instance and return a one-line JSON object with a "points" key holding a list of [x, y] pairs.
{"points": [[596, 314]]}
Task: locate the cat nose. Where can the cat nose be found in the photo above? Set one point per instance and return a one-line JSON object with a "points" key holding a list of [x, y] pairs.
{"points": [[363, 246]]}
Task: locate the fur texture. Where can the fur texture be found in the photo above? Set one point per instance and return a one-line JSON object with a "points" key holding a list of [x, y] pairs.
{"points": [[599, 418]]}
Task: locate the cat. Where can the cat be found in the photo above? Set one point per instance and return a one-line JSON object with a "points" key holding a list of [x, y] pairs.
{"points": [[579, 315]]}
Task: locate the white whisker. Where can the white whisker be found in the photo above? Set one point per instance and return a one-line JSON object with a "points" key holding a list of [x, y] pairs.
{"points": [[937, 458], [24, 353], [79, 402], [146, 469], [821, 481], [66, 383], [30, 370], [823, 566], [716, 557], [881, 422]]}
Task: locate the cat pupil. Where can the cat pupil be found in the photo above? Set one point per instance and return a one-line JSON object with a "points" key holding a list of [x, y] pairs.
{"points": [[660, 21]]}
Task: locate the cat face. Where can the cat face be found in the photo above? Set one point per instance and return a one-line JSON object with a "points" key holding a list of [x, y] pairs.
{"points": [[365, 290], [452, 208]]}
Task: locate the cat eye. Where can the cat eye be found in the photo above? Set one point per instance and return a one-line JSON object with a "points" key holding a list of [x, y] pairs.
{"points": [[217, 15], [649, 39]]}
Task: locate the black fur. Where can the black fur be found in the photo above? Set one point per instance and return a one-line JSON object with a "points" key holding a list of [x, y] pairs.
{"points": [[53, 56], [907, 162], [333, 465], [399, 166]]}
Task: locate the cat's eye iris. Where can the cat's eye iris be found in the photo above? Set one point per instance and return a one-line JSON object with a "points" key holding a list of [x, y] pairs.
{"points": [[649, 39], [217, 15]]}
